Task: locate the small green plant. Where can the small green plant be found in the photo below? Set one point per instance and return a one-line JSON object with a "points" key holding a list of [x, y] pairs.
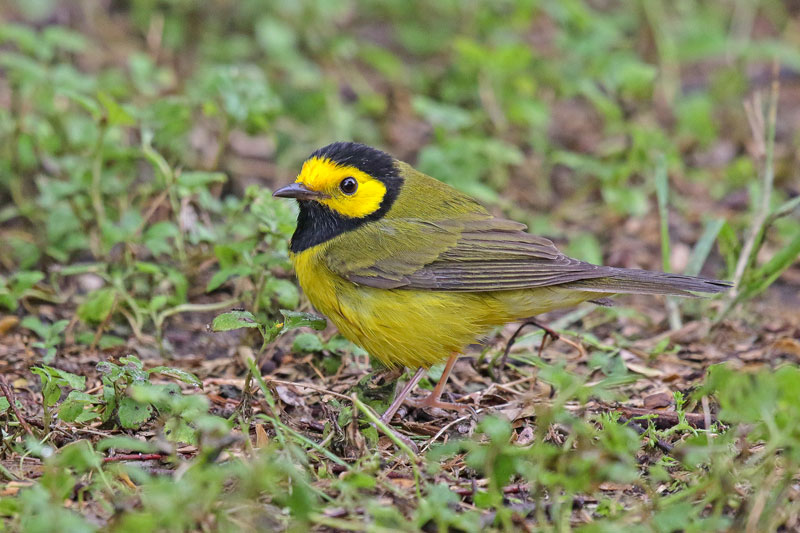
{"points": [[49, 333], [18, 286], [129, 395], [54, 383], [751, 278], [269, 330]]}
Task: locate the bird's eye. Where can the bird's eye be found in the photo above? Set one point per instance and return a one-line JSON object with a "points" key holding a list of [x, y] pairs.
{"points": [[348, 186]]}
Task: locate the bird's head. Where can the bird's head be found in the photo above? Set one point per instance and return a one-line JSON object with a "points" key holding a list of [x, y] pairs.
{"points": [[352, 180], [339, 188]]}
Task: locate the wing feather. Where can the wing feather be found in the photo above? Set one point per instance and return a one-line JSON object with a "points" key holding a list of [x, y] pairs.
{"points": [[473, 255]]}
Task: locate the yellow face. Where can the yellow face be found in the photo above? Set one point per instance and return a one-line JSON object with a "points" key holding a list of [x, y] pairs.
{"points": [[346, 189]]}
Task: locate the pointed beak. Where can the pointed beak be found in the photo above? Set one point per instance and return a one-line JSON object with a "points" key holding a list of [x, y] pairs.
{"points": [[299, 192]]}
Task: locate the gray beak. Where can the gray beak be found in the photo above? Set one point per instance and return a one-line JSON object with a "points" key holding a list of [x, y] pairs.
{"points": [[299, 192]]}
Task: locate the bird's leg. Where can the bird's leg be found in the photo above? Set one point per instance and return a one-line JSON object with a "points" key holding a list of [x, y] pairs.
{"points": [[530, 322], [434, 398], [387, 416]]}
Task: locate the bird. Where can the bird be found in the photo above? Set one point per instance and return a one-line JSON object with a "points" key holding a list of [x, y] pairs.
{"points": [[413, 270]]}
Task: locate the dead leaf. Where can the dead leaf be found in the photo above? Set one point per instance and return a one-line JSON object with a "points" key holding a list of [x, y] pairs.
{"points": [[402, 482], [660, 399], [611, 486], [288, 396], [525, 436], [262, 439], [12, 487], [7, 323], [644, 370], [786, 345]]}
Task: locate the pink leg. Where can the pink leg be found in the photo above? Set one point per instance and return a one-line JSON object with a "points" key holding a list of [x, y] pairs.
{"points": [[434, 398], [401, 396]]}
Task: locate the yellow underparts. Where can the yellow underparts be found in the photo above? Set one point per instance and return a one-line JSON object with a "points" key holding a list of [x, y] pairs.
{"points": [[417, 328], [324, 175]]}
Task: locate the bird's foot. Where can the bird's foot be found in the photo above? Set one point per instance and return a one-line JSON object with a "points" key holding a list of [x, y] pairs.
{"points": [[436, 403]]}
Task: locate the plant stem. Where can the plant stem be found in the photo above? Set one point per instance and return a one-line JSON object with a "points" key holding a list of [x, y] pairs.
{"points": [[157, 160], [9, 394], [97, 177], [280, 426], [749, 252], [188, 308], [372, 417], [662, 196]]}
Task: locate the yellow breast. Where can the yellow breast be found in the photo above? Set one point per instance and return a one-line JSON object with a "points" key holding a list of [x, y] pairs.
{"points": [[411, 327]]}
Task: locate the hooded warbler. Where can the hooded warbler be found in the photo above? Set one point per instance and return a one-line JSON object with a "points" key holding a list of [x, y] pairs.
{"points": [[412, 270]]}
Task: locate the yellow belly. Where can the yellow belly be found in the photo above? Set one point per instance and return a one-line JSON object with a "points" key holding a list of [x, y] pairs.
{"points": [[418, 328]]}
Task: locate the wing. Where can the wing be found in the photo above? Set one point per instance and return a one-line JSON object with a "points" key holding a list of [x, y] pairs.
{"points": [[480, 253]]}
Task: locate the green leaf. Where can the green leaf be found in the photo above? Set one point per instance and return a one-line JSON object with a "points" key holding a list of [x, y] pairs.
{"points": [[53, 379], [193, 180], [88, 104], [111, 341], [729, 246], [132, 361], [134, 368], [147, 268], [72, 380], [234, 320], [226, 273], [112, 371], [158, 302], [110, 400], [177, 373], [297, 319], [73, 406], [283, 290], [82, 397], [178, 430], [88, 415], [767, 273], [662, 195], [703, 246], [69, 411], [51, 393], [56, 328], [496, 428], [65, 38], [307, 343], [115, 113], [586, 247], [133, 414], [78, 455], [34, 324], [97, 306], [23, 281], [157, 238], [4, 405], [443, 115]]}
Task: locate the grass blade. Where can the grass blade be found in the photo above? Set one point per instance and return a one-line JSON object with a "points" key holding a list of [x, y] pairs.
{"points": [[703, 247]]}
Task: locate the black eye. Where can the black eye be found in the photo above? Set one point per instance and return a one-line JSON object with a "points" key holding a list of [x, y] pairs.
{"points": [[348, 186]]}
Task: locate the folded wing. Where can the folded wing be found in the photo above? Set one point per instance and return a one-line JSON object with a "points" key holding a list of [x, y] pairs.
{"points": [[487, 254]]}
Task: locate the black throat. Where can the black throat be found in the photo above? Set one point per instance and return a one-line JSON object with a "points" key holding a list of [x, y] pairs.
{"points": [[317, 223]]}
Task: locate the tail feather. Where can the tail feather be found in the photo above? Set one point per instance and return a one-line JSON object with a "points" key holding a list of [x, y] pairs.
{"points": [[631, 281]]}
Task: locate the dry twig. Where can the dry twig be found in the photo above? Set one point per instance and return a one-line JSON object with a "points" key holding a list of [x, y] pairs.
{"points": [[9, 394]]}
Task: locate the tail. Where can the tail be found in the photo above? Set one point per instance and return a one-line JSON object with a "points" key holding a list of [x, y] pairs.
{"points": [[631, 281]]}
